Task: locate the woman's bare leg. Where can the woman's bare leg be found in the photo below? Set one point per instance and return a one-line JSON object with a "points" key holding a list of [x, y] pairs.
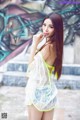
{"points": [[33, 113], [48, 115]]}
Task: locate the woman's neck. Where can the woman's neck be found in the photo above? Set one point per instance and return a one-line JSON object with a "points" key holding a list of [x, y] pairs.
{"points": [[48, 40]]}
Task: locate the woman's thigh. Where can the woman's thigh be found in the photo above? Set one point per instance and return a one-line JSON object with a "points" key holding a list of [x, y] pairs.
{"points": [[33, 113], [48, 115]]}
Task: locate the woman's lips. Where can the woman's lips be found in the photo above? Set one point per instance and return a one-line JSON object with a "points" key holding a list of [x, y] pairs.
{"points": [[45, 34]]}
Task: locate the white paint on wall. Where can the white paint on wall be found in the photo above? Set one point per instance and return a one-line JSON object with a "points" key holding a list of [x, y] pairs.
{"points": [[68, 54]]}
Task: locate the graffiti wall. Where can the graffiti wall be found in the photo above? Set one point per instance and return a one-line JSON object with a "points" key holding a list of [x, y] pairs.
{"points": [[21, 19]]}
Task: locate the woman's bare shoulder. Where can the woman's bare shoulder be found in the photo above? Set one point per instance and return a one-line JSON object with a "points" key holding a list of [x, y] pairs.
{"points": [[46, 51], [53, 47]]}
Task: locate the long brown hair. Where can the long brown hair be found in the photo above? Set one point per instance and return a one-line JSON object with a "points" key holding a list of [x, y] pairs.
{"points": [[57, 38]]}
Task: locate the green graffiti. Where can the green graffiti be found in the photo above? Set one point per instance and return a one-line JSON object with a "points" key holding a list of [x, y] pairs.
{"points": [[38, 20], [69, 10], [23, 26], [34, 22], [3, 54]]}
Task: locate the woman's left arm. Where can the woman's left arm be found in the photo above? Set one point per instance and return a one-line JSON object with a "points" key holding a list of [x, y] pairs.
{"points": [[36, 40]]}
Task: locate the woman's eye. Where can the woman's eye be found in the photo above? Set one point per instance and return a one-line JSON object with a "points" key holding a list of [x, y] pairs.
{"points": [[44, 24], [51, 26]]}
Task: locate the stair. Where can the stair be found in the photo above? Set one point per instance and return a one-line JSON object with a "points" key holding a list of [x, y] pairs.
{"points": [[15, 75]]}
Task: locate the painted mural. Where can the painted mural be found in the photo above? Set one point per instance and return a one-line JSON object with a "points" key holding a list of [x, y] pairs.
{"points": [[21, 19]]}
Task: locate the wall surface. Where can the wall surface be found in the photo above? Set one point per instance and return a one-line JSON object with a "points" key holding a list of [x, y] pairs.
{"points": [[20, 19]]}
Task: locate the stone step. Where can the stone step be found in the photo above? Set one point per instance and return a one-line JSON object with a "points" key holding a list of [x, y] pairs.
{"points": [[1, 77], [71, 69], [14, 79], [66, 69], [20, 79], [68, 82], [20, 66]]}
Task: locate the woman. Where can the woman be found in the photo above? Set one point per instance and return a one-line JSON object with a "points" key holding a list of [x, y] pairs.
{"points": [[45, 61]]}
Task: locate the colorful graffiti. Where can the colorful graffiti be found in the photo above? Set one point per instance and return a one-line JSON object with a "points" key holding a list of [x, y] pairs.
{"points": [[21, 19]]}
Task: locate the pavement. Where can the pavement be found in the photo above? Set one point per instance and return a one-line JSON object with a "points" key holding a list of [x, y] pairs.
{"points": [[12, 104]]}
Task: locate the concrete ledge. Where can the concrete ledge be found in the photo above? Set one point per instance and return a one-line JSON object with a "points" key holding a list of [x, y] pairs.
{"points": [[66, 69], [71, 70], [17, 67], [20, 79], [1, 77], [14, 80]]}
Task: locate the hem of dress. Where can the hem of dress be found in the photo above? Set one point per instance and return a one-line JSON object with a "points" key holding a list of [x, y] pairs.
{"points": [[56, 106]]}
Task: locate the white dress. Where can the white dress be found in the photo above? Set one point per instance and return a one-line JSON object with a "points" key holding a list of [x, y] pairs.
{"points": [[40, 89]]}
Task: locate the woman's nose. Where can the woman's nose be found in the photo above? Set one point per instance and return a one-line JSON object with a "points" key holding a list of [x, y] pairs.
{"points": [[46, 29]]}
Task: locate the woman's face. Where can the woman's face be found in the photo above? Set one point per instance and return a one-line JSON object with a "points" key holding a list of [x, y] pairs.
{"points": [[47, 28]]}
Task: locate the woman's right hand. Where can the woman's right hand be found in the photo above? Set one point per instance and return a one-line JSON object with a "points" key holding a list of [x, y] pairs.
{"points": [[37, 38]]}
